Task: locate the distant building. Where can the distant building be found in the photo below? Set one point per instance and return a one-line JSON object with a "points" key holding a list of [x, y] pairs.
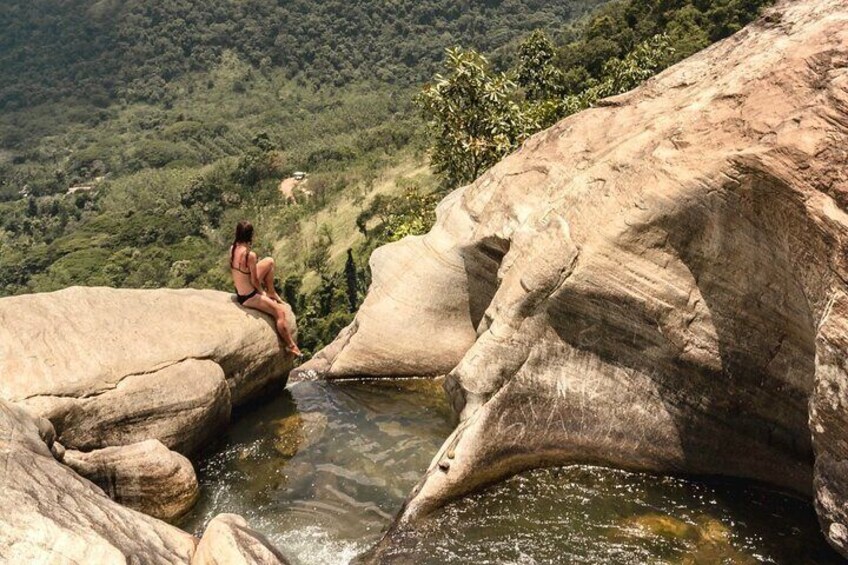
{"points": [[299, 175], [80, 188]]}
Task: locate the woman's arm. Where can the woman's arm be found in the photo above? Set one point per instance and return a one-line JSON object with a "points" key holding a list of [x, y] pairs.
{"points": [[254, 277]]}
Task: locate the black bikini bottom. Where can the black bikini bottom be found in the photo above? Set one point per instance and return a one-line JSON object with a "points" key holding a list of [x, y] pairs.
{"points": [[242, 298]]}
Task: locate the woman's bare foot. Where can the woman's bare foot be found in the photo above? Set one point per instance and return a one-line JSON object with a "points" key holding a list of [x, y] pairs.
{"points": [[294, 350]]}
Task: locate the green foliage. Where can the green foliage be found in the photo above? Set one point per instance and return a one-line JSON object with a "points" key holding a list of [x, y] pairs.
{"points": [[351, 281], [476, 116], [318, 259], [154, 153], [326, 130], [411, 213], [323, 313], [618, 28], [639, 65], [536, 72], [99, 50], [473, 115]]}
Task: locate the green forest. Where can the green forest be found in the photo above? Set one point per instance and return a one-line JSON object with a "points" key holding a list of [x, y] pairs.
{"points": [[106, 50], [133, 135]]}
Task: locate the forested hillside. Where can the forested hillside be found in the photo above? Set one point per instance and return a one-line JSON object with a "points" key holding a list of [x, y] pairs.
{"points": [[105, 49], [74, 71], [134, 134]]}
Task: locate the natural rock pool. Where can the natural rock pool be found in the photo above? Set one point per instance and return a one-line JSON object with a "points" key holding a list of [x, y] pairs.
{"points": [[322, 468]]}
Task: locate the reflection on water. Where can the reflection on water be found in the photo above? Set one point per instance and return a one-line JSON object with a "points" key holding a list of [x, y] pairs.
{"points": [[583, 514], [322, 468]]}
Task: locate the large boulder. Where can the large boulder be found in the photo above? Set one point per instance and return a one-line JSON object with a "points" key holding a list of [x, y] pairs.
{"points": [[657, 283], [125, 377], [183, 405], [114, 367], [51, 514], [145, 476]]}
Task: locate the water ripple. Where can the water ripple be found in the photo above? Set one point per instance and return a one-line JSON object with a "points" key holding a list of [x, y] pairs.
{"points": [[322, 468]]}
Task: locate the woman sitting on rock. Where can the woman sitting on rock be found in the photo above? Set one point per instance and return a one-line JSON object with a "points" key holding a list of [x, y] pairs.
{"points": [[250, 275]]}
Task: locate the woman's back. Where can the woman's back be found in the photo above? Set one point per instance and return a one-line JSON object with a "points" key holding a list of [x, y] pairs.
{"points": [[240, 269]]}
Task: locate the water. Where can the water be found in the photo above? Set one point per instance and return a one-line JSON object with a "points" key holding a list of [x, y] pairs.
{"points": [[585, 514], [322, 468]]}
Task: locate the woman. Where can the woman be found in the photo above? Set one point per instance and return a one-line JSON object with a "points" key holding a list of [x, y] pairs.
{"points": [[249, 276]]}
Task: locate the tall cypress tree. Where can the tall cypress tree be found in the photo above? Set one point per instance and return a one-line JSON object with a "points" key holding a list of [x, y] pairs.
{"points": [[351, 279]]}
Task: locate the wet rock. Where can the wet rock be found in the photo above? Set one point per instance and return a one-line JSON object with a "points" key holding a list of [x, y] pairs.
{"points": [[51, 514], [659, 525], [392, 429], [288, 432], [298, 431], [314, 426], [714, 545], [659, 283], [145, 476], [712, 531], [705, 542], [229, 541], [299, 475]]}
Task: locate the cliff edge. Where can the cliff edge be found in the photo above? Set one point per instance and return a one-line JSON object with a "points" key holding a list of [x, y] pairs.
{"points": [[121, 386], [657, 283]]}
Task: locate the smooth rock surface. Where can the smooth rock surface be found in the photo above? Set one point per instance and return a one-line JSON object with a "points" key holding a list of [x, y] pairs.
{"points": [[229, 541], [52, 515], [144, 476], [658, 283], [183, 405], [114, 367], [111, 369]]}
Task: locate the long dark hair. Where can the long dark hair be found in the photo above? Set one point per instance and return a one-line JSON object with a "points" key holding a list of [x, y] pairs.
{"points": [[244, 234]]}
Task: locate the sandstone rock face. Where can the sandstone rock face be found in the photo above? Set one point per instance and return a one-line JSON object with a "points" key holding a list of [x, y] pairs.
{"points": [[114, 367], [125, 376], [144, 476], [229, 541], [829, 422], [183, 405], [657, 283], [51, 514]]}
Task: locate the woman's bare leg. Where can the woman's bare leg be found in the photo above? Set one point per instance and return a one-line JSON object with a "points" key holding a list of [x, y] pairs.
{"points": [[265, 272], [267, 305]]}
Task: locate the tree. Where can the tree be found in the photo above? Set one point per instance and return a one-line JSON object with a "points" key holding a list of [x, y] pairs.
{"points": [[318, 258], [291, 292], [621, 75], [351, 280], [474, 116], [477, 117], [536, 73]]}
